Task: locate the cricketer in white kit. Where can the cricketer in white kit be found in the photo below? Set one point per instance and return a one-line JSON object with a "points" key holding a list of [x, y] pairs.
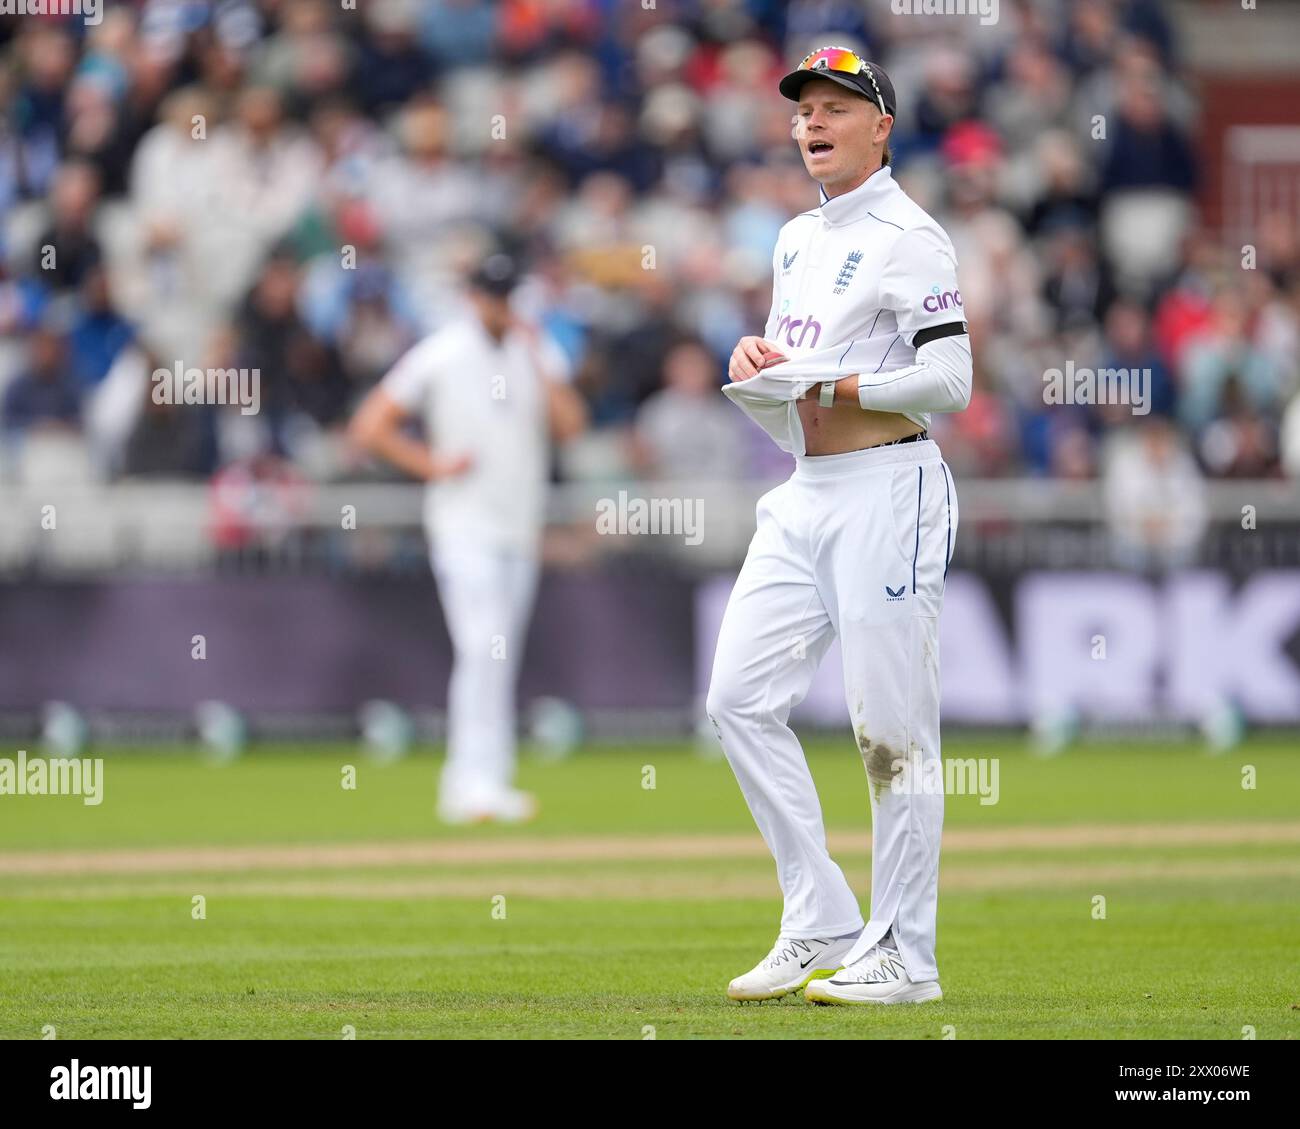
{"points": [[492, 392], [865, 339]]}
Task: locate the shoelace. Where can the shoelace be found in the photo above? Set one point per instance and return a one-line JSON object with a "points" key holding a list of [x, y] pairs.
{"points": [[788, 948], [877, 966]]}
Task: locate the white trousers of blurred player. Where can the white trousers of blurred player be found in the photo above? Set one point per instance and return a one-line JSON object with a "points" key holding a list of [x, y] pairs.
{"points": [[487, 599], [855, 546]]}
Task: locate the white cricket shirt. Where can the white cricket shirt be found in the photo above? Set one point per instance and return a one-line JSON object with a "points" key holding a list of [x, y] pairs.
{"points": [[854, 281], [487, 400]]}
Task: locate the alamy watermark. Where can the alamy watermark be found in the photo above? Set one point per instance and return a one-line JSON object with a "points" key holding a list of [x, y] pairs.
{"points": [[180, 385], [682, 517], [102, 1083], [91, 11], [53, 776], [1071, 385], [987, 10], [951, 776]]}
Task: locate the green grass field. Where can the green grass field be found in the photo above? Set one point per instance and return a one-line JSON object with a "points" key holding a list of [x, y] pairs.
{"points": [[623, 911]]}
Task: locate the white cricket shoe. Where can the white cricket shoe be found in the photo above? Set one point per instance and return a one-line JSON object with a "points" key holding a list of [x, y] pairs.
{"points": [[791, 964], [878, 977], [510, 806]]}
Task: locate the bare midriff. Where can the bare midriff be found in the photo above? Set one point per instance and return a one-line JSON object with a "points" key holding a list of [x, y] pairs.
{"points": [[846, 427]]}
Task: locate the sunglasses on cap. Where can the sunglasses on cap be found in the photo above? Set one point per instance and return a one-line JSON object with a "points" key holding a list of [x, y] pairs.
{"points": [[846, 62]]}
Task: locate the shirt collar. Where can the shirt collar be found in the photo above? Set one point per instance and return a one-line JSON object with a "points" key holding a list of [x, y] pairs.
{"points": [[854, 205]]}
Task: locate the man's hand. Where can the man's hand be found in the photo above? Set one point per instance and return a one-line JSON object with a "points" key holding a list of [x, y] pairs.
{"points": [[377, 430], [448, 466], [750, 355]]}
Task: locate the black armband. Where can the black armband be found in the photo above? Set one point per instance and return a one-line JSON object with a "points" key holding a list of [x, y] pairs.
{"points": [[934, 332]]}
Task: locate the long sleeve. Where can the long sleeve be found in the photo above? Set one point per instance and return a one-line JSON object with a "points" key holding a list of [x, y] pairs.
{"points": [[940, 381], [919, 284]]}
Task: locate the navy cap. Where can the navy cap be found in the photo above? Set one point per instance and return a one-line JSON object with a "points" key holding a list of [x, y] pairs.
{"points": [[497, 274], [871, 81]]}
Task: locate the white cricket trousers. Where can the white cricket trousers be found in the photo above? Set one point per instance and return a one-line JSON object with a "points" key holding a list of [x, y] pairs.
{"points": [[487, 599], [855, 546]]}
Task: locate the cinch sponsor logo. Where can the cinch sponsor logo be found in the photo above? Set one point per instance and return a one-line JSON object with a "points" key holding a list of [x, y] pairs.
{"points": [[788, 326], [938, 300]]}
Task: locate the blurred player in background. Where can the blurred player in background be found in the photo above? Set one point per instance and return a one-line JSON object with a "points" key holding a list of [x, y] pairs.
{"points": [[492, 392], [856, 545]]}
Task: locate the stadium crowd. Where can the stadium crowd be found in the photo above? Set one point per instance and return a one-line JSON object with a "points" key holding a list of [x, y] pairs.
{"points": [[297, 186]]}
